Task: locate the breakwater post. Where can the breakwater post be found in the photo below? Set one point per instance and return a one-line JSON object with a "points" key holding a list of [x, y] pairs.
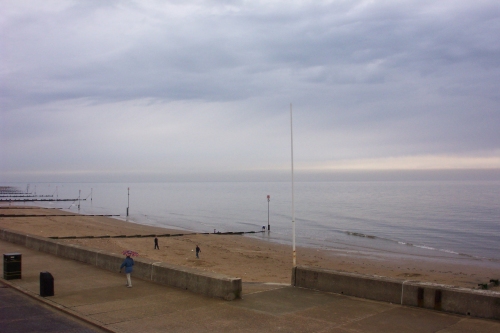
{"points": [[268, 225], [128, 199]]}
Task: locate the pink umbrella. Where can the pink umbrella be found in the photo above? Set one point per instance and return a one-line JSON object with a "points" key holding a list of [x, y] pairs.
{"points": [[130, 253]]}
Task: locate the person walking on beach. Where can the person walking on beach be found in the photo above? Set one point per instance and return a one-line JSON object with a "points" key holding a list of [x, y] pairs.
{"points": [[156, 244], [128, 263], [198, 252]]}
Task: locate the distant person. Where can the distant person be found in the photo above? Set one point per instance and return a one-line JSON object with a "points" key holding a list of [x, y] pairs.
{"points": [[198, 252], [156, 244], [128, 263], [263, 228]]}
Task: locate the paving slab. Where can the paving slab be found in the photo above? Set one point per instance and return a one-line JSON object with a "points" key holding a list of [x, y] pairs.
{"points": [[284, 300], [473, 326], [20, 313], [403, 319], [344, 310], [100, 298]]}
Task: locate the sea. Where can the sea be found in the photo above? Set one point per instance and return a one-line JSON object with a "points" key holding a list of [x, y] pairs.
{"points": [[427, 220]]}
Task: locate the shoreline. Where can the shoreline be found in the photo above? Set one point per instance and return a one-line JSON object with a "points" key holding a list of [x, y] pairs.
{"points": [[416, 253], [248, 257]]}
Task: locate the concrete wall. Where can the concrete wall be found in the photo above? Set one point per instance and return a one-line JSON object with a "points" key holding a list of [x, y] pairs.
{"points": [[470, 302], [352, 284], [209, 284], [109, 261], [41, 244], [78, 253], [476, 303], [13, 237]]}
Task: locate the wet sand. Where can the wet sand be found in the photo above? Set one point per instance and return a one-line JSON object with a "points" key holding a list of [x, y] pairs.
{"points": [[252, 259]]}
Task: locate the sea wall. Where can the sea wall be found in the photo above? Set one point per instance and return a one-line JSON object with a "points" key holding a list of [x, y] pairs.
{"points": [[469, 302], [209, 284]]}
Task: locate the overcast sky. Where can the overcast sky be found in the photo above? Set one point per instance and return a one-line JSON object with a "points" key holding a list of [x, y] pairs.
{"points": [[201, 90]]}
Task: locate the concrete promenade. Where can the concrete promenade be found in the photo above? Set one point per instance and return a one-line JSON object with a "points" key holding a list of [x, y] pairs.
{"points": [[20, 313], [100, 297]]}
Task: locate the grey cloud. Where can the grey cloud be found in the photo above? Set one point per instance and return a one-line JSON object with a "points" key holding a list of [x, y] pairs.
{"points": [[366, 78], [215, 58]]}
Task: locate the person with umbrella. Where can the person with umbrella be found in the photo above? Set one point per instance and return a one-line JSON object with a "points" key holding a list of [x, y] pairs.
{"points": [[128, 263]]}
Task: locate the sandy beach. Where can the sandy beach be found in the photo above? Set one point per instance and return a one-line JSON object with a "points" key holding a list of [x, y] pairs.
{"points": [[250, 258]]}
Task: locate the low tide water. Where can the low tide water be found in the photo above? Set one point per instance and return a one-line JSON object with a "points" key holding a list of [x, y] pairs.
{"points": [[427, 219]]}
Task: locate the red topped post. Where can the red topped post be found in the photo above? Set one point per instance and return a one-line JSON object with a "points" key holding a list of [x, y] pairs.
{"points": [[268, 225]]}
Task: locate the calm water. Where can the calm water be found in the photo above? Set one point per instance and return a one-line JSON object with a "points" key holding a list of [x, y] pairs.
{"points": [[458, 220]]}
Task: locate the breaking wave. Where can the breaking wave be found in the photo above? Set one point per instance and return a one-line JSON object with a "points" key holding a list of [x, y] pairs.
{"points": [[424, 247]]}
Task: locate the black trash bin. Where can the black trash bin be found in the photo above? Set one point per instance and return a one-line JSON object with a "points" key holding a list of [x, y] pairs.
{"points": [[11, 266], [46, 284]]}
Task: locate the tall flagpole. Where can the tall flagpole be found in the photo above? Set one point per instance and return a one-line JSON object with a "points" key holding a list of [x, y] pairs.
{"points": [[293, 199]]}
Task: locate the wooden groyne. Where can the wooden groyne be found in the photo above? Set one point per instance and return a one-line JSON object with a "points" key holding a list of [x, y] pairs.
{"points": [[23, 208], [156, 235], [43, 215], [32, 200]]}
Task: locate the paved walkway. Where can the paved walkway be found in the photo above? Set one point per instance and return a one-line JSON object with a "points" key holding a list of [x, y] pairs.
{"points": [[101, 298], [20, 313]]}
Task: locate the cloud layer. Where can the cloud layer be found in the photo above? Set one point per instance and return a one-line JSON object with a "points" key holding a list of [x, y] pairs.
{"points": [[203, 87]]}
